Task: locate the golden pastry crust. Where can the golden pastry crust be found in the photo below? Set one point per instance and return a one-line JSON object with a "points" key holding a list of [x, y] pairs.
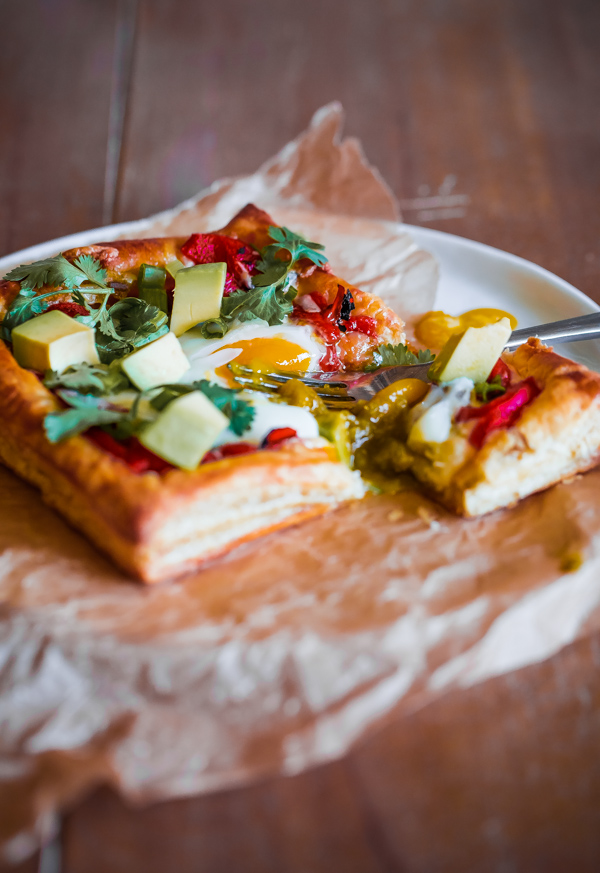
{"points": [[159, 526], [556, 436], [152, 525]]}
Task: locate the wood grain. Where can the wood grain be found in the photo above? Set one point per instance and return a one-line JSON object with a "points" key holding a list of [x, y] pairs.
{"points": [[55, 68], [31, 865], [483, 117]]}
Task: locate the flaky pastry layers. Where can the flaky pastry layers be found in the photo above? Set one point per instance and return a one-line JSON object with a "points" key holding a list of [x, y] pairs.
{"points": [[556, 436], [157, 526]]}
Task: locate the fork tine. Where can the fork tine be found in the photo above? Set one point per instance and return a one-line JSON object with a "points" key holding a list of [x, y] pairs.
{"points": [[269, 388], [312, 383], [255, 383]]}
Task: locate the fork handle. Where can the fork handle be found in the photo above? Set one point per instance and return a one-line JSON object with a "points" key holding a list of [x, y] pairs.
{"points": [[567, 331]]}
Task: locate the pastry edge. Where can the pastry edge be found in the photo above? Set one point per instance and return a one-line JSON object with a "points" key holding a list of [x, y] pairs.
{"points": [[159, 527], [557, 437]]}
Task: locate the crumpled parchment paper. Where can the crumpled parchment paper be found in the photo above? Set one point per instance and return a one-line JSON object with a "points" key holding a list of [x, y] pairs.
{"points": [[286, 652]]}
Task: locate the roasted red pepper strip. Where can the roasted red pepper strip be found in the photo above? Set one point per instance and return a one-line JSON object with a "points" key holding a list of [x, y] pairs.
{"points": [[501, 412], [211, 248], [330, 327], [68, 308], [363, 324], [501, 370], [330, 362], [132, 452], [228, 450], [278, 435], [140, 460]]}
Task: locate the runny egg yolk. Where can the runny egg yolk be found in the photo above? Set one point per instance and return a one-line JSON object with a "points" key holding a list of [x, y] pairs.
{"points": [[267, 355], [434, 329]]}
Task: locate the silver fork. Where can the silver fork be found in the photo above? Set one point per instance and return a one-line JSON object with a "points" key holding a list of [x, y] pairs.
{"points": [[343, 388]]}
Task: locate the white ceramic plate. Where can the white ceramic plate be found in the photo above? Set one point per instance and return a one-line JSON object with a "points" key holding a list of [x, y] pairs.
{"points": [[472, 275]]}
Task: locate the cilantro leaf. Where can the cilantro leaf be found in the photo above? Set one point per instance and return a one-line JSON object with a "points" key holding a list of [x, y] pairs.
{"points": [[271, 304], [86, 411], [487, 390], [270, 300], [239, 412], [25, 306], [92, 270], [389, 355], [127, 325], [296, 245], [54, 272], [58, 271], [89, 379], [270, 273]]}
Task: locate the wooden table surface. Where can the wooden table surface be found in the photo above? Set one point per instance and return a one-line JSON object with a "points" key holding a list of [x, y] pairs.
{"points": [[484, 118]]}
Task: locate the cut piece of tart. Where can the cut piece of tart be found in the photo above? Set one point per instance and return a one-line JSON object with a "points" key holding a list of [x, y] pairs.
{"points": [[163, 477], [544, 428]]}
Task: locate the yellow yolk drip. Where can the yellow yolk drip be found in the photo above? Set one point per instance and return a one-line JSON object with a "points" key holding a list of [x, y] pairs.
{"points": [[434, 329], [264, 355]]}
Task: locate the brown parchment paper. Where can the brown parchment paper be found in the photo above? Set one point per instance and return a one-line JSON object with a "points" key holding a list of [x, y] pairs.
{"points": [[285, 653]]}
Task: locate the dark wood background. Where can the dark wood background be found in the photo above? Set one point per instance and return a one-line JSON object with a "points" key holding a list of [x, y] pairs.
{"points": [[484, 117]]}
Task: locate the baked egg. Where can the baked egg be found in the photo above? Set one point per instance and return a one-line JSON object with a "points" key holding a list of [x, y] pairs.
{"points": [[282, 347]]}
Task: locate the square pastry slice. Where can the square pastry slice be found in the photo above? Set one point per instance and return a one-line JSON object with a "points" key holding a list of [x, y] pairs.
{"points": [[145, 442], [544, 428]]}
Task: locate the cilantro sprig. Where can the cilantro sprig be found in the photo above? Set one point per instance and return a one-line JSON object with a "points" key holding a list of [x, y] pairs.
{"points": [[126, 325], [59, 274], [85, 411], [92, 409], [57, 271], [270, 300], [93, 379], [389, 355], [297, 246]]}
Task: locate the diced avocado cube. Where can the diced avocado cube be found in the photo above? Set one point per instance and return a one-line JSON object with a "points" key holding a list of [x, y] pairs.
{"points": [[53, 341], [157, 363], [471, 353], [185, 431], [197, 295]]}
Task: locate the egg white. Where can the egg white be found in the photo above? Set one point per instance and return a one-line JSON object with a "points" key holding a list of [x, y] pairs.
{"points": [[269, 415], [206, 355]]}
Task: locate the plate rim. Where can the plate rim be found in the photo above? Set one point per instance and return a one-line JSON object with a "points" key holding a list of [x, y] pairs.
{"points": [[508, 257]]}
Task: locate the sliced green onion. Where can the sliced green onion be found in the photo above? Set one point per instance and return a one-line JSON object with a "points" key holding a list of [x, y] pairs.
{"points": [[151, 286], [214, 328]]}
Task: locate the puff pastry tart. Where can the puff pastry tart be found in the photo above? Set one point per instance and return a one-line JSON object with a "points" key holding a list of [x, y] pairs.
{"points": [[119, 399], [117, 402], [479, 447]]}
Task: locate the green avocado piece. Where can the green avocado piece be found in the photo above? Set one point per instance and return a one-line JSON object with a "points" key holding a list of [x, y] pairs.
{"points": [[197, 295], [53, 341], [471, 353], [185, 430], [157, 363]]}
